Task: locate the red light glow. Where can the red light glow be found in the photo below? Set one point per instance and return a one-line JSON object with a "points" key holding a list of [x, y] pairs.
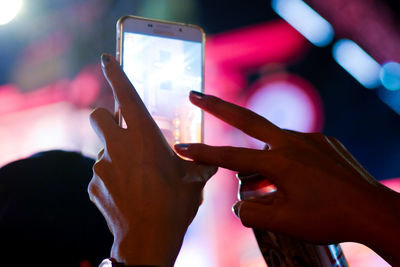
{"points": [[288, 101], [229, 57]]}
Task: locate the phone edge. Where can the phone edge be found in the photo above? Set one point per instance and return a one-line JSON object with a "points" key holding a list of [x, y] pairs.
{"points": [[118, 56]]}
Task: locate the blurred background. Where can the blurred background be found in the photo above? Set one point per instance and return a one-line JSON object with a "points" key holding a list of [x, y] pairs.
{"points": [[318, 65]]}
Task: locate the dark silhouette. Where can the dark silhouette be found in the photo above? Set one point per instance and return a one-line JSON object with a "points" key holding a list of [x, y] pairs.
{"points": [[46, 217]]}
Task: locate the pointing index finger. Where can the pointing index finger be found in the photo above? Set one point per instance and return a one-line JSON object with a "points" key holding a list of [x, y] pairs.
{"points": [[241, 118]]}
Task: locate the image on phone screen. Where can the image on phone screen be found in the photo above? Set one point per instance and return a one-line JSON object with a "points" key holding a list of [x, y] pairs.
{"points": [[163, 71]]}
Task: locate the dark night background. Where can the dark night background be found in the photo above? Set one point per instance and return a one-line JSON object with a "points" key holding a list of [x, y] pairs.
{"points": [[368, 127]]}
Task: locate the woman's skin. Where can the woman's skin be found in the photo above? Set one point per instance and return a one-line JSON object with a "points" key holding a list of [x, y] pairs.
{"points": [[148, 195], [323, 195]]}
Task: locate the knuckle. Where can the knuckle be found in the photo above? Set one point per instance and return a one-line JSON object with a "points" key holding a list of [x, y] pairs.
{"points": [[99, 168], [287, 156], [109, 146], [307, 140], [316, 139], [93, 116], [97, 112], [100, 154], [93, 190], [94, 112], [114, 148], [319, 136], [333, 139]]}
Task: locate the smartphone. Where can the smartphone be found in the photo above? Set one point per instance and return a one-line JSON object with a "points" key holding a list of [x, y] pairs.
{"points": [[165, 61]]}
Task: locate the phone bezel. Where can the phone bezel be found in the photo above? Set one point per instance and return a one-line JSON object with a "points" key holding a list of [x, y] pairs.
{"points": [[160, 28]]}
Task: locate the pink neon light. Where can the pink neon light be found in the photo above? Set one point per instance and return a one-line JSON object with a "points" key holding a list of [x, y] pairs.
{"points": [[228, 57], [85, 88], [393, 184], [229, 54], [82, 91], [254, 46]]}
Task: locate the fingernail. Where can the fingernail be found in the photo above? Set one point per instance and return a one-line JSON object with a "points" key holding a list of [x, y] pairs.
{"points": [[236, 208], [197, 94], [182, 147], [105, 59]]}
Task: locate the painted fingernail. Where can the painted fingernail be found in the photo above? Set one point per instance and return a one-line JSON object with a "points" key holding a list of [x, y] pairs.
{"points": [[197, 94], [105, 59], [236, 208], [182, 147]]}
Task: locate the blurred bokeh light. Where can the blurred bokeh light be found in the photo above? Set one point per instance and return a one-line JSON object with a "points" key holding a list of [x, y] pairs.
{"points": [[390, 76], [274, 57], [304, 19], [9, 9], [357, 62]]}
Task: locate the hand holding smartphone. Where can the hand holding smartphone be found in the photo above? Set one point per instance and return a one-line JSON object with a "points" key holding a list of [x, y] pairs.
{"points": [[165, 61]]}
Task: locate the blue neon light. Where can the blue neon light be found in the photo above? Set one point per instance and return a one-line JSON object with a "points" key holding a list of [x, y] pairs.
{"points": [[305, 20], [357, 62], [390, 76]]}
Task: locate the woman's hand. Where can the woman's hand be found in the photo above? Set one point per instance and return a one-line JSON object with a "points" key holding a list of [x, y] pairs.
{"points": [[323, 194], [147, 194]]}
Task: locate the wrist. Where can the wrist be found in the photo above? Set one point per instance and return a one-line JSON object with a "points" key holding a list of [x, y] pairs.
{"points": [[380, 224], [111, 262], [148, 250], [380, 213]]}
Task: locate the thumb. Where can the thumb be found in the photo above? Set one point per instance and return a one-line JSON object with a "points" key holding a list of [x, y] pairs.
{"points": [[199, 172], [259, 215]]}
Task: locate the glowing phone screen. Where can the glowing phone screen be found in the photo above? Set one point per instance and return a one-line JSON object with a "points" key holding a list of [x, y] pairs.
{"points": [[163, 71]]}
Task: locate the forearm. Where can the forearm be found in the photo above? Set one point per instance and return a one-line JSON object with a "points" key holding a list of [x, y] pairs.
{"points": [[381, 225]]}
